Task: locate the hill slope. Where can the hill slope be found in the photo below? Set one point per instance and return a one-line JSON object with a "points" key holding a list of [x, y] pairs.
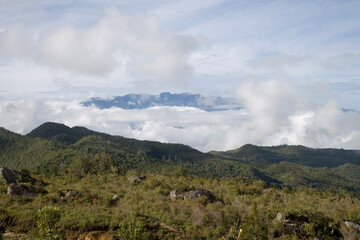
{"points": [[295, 154], [55, 148]]}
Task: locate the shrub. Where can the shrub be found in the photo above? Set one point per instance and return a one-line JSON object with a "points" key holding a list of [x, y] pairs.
{"points": [[2, 223], [48, 217], [254, 226], [134, 229]]}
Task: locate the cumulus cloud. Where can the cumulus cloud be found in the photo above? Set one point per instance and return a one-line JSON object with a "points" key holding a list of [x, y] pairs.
{"points": [[197, 128], [280, 113], [276, 113], [101, 48], [14, 41]]}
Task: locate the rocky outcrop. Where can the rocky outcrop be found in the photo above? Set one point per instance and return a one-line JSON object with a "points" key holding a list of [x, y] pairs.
{"points": [[73, 193], [11, 176], [334, 199], [280, 217], [14, 236], [8, 175], [21, 190], [91, 235], [297, 222], [352, 225], [351, 230], [192, 194], [116, 197], [95, 235], [136, 178]]}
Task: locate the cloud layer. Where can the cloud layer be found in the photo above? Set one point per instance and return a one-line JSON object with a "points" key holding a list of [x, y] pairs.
{"points": [[116, 40], [276, 113]]}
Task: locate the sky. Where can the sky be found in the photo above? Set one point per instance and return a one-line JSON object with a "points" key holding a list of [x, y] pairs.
{"points": [[293, 65]]}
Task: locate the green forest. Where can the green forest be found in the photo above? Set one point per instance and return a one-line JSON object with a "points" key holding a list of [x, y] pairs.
{"points": [[82, 185]]}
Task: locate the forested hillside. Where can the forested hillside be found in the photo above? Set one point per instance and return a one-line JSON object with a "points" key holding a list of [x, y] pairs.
{"points": [[90, 185], [54, 149]]}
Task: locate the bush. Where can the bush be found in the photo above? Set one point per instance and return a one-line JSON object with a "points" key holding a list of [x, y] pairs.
{"points": [[254, 226], [2, 223], [48, 217], [134, 229]]}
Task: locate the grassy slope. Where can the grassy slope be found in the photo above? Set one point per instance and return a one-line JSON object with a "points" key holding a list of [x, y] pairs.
{"points": [[191, 218]]}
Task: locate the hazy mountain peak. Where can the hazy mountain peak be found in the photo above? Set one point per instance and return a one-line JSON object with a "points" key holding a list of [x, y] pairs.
{"points": [[142, 101]]}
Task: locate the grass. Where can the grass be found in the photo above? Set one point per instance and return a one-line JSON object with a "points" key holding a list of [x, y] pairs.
{"points": [[162, 218]]}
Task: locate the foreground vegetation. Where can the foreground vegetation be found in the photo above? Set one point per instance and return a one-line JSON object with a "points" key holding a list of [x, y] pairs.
{"points": [[252, 209], [283, 192]]}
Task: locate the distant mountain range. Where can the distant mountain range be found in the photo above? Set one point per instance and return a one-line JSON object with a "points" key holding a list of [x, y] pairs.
{"points": [[142, 101], [52, 148]]}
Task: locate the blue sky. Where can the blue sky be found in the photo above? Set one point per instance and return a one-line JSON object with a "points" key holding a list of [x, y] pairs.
{"points": [[68, 51]]}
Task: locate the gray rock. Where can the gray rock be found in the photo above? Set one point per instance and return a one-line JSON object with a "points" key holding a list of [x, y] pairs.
{"points": [[352, 225], [21, 190], [136, 178], [116, 197], [334, 199], [192, 194], [73, 193], [280, 217], [9, 175]]}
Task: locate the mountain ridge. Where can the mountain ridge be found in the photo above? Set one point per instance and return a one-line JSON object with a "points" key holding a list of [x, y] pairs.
{"points": [[143, 101], [312, 157], [53, 148]]}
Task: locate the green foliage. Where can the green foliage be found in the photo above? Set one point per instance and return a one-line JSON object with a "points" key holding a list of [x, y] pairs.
{"points": [[277, 179], [85, 163], [309, 224], [254, 227], [55, 149], [2, 222], [133, 229], [294, 154], [48, 217], [311, 211]]}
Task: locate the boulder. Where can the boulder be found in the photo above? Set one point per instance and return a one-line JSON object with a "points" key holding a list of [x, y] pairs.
{"points": [[351, 230], [13, 235], [352, 225], [116, 197], [334, 199], [73, 193], [9, 175], [95, 235], [280, 217], [21, 190], [295, 223], [192, 194], [136, 178]]}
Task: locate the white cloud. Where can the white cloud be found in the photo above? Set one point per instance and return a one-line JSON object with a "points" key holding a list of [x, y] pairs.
{"points": [[99, 49], [14, 41], [190, 126], [276, 113], [280, 113]]}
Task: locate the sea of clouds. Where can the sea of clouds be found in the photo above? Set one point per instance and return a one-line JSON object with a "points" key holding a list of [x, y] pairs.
{"points": [[275, 112]]}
